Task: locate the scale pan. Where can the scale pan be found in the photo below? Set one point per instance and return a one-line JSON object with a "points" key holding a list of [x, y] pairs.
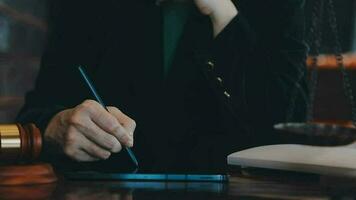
{"points": [[319, 134]]}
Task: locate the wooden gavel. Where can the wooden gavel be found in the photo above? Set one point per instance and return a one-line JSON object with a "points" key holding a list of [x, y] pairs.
{"points": [[20, 147], [19, 143]]}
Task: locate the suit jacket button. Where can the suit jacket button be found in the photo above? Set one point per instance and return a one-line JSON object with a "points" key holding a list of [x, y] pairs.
{"points": [[211, 65], [227, 94]]}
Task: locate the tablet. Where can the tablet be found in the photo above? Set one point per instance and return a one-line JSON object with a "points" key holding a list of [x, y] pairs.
{"points": [[91, 175]]}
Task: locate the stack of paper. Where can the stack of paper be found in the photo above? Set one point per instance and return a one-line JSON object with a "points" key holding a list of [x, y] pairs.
{"points": [[336, 161]]}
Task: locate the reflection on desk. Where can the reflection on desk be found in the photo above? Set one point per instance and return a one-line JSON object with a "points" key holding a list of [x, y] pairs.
{"points": [[30, 192], [240, 186]]}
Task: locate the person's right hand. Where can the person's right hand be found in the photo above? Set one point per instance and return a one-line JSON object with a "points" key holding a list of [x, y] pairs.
{"points": [[89, 133]]}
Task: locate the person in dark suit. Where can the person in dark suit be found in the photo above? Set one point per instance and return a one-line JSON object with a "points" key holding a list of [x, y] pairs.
{"points": [[200, 79]]}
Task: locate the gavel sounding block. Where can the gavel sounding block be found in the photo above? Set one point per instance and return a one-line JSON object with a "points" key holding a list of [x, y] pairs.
{"points": [[26, 174]]}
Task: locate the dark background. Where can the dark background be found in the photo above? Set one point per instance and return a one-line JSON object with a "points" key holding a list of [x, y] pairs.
{"points": [[23, 33]]}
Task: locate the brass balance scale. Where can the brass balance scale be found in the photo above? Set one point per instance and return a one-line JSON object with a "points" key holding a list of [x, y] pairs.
{"points": [[312, 133]]}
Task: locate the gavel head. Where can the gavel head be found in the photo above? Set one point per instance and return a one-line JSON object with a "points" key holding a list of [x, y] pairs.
{"points": [[19, 143]]}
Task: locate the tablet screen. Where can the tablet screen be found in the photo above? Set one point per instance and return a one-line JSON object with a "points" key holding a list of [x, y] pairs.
{"points": [[92, 175]]}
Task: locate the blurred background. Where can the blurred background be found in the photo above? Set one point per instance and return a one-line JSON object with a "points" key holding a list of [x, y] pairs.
{"points": [[22, 38]]}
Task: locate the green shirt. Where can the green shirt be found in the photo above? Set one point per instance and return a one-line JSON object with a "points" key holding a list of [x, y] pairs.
{"points": [[174, 20]]}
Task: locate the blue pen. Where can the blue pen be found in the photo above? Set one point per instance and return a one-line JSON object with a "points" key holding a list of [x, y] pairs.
{"points": [[101, 102]]}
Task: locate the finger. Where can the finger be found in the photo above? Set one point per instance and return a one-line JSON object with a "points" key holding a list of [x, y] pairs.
{"points": [[72, 147], [82, 156], [128, 123], [92, 149], [107, 122], [100, 137]]}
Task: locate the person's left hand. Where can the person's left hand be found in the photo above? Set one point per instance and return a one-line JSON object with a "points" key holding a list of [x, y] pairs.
{"points": [[221, 12], [209, 7]]}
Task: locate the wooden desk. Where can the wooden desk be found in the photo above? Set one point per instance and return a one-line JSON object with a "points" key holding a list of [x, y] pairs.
{"points": [[240, 187]]}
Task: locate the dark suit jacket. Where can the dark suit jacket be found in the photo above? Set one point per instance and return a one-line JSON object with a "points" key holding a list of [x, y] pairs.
{"points": [[222, 94]]}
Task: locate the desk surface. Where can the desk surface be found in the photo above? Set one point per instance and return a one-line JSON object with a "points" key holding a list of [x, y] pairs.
{"points": [[240, 186]]}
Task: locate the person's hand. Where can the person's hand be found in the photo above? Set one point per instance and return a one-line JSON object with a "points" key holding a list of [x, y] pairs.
{"points": [[89, 133], [221, 12]]}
